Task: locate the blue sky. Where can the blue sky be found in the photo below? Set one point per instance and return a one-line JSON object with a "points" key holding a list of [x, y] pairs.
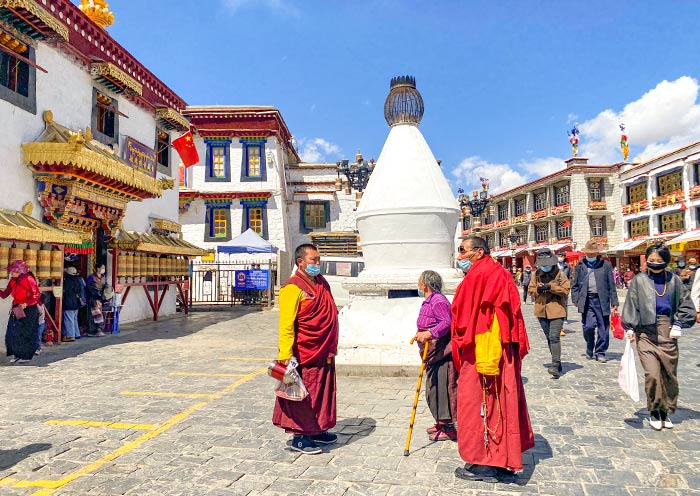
{"points": [[502, 80]]}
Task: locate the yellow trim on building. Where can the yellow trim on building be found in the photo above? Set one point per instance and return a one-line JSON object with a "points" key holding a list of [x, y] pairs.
{"points": [[116, 75], [45, 17], [16, 226]]}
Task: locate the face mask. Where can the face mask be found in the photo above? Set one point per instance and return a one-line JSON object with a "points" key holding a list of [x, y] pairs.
{"points": [[546, 268], [681, 265], [421, 293], [100, 271], [656, 265], [528, 269], [464, 264], [313, 270], [692, 267], [591, 259]]}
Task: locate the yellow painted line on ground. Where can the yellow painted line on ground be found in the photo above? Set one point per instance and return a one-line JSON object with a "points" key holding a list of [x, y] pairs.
{"points": [[247, 359], [7, 481], [167, 395], [261, 347], [197, 374], [176, 419], [111, 425]]}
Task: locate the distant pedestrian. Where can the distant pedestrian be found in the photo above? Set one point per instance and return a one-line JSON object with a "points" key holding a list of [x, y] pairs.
{"points": [[41, 308], [525, 278], [595, 295], [657, 308], [617, 277], [564, 265], [687, 274], [680, 266], [434, 322], [518, 276], [23, 324], [95, 286], [72, 290], [550, 288], [627, 276]]}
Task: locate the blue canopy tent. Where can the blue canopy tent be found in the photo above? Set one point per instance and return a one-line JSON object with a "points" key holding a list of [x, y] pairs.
{"points": [[247, 242]]}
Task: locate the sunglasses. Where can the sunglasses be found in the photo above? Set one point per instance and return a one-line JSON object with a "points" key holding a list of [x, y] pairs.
{"points": [[462, 249]]}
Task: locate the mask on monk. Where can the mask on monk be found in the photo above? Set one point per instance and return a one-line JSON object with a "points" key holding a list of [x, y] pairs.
{"points": [[546, 268], [464, 264], [313, 270]]}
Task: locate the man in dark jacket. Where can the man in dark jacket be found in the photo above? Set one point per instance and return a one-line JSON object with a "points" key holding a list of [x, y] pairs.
{"points": [[525, 281], [595, 295]]}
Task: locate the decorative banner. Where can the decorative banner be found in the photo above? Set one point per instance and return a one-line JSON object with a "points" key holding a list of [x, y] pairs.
{"points": [[623, 143], [140, 156], [573, 139], [252, 279]]}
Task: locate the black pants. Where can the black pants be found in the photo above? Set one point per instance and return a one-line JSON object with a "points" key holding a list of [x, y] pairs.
{"points": [[552, 328], [20, 338]]}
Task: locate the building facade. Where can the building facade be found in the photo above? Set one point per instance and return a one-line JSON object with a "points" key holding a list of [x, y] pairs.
{"points": [[562, 211], [660, 201]]}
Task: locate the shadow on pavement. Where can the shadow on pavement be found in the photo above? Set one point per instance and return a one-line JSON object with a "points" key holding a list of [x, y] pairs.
{"points": [[10, 458], [352, 429], [168, 327], [541, 451], [682, 414]]}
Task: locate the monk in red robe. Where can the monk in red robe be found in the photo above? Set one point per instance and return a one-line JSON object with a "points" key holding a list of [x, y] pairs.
{"points": [[489, 341], [308, 330]]}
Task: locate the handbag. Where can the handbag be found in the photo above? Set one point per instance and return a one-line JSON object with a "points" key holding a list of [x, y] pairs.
{"points": [[18, 312], [616, 324], [97, 315], [627, 376]]}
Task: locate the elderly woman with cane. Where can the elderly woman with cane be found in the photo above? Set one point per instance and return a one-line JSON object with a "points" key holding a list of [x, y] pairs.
{"points": [[657, 307], [434, 322], [23, 325]]}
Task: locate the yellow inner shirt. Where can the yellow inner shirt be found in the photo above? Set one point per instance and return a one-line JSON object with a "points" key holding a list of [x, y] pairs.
{"points": [[290, 299]]}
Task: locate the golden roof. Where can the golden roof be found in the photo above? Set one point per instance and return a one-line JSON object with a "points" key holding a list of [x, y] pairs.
{"points": [[60, 145], [33, 8], [16, 226], [120, 80], [155, 243]]}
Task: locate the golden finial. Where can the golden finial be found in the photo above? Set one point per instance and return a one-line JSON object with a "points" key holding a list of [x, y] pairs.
{"points": [[88, 133], [28, 208], [48, 117], [98, 12], [358, 156]]}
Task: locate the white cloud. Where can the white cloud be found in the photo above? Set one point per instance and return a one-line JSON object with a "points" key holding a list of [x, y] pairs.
{"points": [[318, 150], [282, 7], [664, 118], [502, 177]]}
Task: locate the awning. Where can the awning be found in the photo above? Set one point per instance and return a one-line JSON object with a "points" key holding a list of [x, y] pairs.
{"points": [[28, 17], [627, 245], [155, 243], [501, 253], [172, 119], [247, 242], [16, 226], [557, 247], [114, 78], [314, 197], [685, 238]]}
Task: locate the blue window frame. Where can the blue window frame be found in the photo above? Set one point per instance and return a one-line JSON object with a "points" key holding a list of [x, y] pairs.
{"points": [[255, 216], [218, 160], [218, 222], [253, 167]]}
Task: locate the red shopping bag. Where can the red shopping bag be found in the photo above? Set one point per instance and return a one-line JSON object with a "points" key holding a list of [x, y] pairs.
{"points": [[616, 324]]}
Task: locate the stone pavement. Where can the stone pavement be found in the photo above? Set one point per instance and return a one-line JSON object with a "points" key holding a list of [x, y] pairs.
{"points": [[183, 407]]}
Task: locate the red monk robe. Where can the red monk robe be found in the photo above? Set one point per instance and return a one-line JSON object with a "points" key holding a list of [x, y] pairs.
{"points": [[315, 345], [488, 290]]}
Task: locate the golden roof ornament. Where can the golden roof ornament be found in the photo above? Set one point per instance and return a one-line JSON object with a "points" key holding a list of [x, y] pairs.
{"points": [[98, 12]]}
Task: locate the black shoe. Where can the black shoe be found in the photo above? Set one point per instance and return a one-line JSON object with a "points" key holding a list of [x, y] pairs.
{"points": [[304, 445], [506, 476], [554, 371], [482, 473], [589, 356], [601, 359], [324, 438]]}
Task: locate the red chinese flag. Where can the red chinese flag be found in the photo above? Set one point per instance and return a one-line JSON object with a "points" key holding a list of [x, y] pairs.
{"points": [[186, 149]]}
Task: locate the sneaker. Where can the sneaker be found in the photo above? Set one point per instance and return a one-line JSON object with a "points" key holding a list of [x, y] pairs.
{"points": [[666, 420], [589, 356], [22, 360], [444, 434], [37, 352], [655, 421], [601, 359], [14, 360], [324, 438], [304, 445], [482, 473]]}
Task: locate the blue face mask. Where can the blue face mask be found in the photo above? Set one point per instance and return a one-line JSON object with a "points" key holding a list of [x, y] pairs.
{"points": [[546, 268], [313, 270], [421, 293], [591, 259], [464, 264]]}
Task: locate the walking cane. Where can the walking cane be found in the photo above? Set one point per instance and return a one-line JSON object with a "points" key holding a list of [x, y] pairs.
{"points": [[415, 400]]}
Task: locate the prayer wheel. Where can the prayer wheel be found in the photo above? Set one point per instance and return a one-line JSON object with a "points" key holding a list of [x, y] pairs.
{"points": [[4, 257], [137, 264], [56, 264], [163, 266], [169, 266], [15, 253], [152, 265], [43, 269], [121, 262], [128, 265], [30, 256]]}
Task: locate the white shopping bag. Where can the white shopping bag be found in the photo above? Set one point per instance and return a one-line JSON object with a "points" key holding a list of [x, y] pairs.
{"points": [[628, 373]]}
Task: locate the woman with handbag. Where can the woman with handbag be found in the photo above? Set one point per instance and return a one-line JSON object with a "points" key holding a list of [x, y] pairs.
{"points": [[434, 323], [658, 306], [23, 325]]}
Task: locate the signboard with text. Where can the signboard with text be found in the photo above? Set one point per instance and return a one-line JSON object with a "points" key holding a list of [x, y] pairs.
{"points": [[140, 156], [252, 279]]}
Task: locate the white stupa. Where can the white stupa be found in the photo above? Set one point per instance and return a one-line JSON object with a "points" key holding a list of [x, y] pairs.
{"points": [[407, 220]]}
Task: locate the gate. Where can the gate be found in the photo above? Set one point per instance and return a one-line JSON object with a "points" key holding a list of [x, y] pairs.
{"points": [[234, 283]]}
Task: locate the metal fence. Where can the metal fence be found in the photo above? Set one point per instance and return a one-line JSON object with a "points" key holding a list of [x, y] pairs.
{"points": [[215, 283]]}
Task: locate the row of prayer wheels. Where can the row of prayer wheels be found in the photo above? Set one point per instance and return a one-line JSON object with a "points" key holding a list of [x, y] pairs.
{"points": [[43, 262], [151, 265]]}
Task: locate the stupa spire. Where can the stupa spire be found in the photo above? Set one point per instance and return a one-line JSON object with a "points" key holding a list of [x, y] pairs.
{"points": [[404, 104]]}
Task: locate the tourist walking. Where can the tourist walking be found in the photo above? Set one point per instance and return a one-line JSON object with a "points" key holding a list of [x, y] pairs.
{"points": [[489, 342], [23, 324], [434, 322], [72, 290], [595, 295], [687, 273], [657, 308], [308, 330], [41, 320], [550, 288], [627, 276], [525, 278], [95, 286]]}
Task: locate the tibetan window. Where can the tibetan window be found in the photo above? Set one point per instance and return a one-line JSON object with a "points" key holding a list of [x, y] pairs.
{"points": [[182, 175], [541, 232], [255, 219], [314, 215], [217, 160], [105, 118], [639, 227], [672, 222], [637, 193], [540, 201], [503, 212], [561, 194], [670, 182], [218, 221], [594, 189], [522, 236], [519, 206], [598, 226], [163, 151], [564, 229], [18, 78], [253, 162]]}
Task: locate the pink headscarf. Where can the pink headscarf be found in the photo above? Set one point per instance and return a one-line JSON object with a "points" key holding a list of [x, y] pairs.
{"points": [[19, 266]]}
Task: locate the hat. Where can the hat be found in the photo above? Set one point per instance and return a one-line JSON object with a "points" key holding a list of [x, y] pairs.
{"points": [[19, 266], [692, 261], [591, 247], [71, 271], [108, 292], [546, 257]]}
